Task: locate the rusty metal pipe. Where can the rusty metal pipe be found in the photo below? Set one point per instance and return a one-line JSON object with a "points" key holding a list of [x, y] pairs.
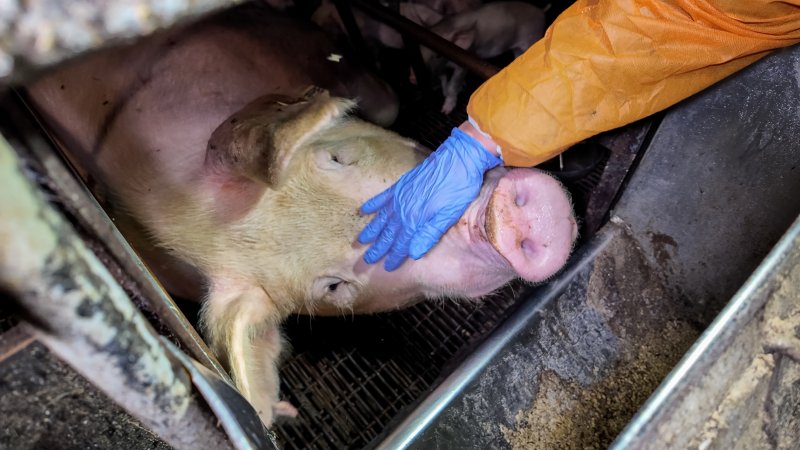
{"points": [[429, 39], [81, 313], [92, 216]]}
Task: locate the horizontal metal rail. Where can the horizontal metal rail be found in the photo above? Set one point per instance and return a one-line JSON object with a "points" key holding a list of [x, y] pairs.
{"points": [[429, 39]]}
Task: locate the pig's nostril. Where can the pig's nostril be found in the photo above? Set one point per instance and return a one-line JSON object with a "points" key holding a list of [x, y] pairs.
{"points": [[520, 200], [527, 248]]}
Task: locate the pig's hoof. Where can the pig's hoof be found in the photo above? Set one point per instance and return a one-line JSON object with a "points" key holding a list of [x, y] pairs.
{"points": [[278, 410], [284, 408]]}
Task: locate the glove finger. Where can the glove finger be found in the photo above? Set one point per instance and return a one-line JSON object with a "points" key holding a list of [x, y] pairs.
{"points": [[383, 243], [375, 203], [399, 251], [374, 227], [430, 233], [424, 241]]}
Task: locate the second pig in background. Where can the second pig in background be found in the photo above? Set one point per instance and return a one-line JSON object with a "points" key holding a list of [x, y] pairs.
{"points": [[327, 17], [448, 8], [489, 31]]}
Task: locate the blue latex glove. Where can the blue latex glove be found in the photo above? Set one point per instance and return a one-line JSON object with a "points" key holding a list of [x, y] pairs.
{"points": [[424, 203]]}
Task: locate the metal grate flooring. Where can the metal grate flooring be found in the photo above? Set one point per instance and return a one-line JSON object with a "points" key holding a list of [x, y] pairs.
{"points": [[351, 377]]}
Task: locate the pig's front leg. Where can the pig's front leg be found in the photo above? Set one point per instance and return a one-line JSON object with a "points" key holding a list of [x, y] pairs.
{"points": [[242, 326], [452, 89], [443, 80]]}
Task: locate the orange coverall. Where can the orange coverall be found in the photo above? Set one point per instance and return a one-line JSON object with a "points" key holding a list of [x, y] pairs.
{"points": [[604, 64]]}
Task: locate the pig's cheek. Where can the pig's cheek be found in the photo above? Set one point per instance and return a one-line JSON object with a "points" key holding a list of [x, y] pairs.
{"points": [[397, 286], [354, 184]]}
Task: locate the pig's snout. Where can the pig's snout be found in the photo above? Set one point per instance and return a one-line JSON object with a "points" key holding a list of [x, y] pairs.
{"points": [[529, 221]]}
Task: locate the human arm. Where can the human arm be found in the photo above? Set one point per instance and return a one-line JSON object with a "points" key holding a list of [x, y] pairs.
{"points": [[604, 64]]}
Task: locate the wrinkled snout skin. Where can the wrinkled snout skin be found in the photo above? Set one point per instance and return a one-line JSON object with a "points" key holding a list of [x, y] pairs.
{"points": [[228, 174]]}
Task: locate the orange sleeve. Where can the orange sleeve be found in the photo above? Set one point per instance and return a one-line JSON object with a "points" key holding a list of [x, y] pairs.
{"points": [[604, 64]]}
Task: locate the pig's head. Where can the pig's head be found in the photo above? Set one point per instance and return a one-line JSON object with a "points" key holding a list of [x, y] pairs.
{"points": [[313, 168]]}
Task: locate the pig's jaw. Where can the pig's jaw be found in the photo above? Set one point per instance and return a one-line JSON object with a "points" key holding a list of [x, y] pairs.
{"points": [[466, 268], [465, 263]]}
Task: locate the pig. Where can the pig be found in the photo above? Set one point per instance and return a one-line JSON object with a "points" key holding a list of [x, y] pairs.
{"points": [[280, 5], [327, 17], [488, 31], [226, 175], [450, 7]]}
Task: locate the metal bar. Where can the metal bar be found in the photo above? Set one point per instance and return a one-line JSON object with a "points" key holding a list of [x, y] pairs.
{"points": [[625, 146], [353, 32], [93, 218], [79, 311], [429, 39], [36, 34], [664, 411], [236, 415], [451, 387], [417, 63], [13, 341]]}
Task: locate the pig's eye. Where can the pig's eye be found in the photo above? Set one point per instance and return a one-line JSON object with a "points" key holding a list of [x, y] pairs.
{"points": [[342, 158], [334, 159], [335, 291]]}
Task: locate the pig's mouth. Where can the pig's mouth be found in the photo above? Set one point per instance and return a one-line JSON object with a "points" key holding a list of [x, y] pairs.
{"points": [[526, 216]]}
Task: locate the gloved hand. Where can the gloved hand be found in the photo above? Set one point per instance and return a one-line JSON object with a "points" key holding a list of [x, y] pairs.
{"points": [[424, 203]]}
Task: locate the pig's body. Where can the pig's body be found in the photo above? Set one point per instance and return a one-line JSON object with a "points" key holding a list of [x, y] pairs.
{"points": [[280, 5], [128, 96], [450, 7], [488, 31], [327, 17], [203, 141]]}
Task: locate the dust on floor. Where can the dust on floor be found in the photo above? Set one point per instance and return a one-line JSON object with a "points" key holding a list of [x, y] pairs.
{"points": [[44, 404], [654, 332]]}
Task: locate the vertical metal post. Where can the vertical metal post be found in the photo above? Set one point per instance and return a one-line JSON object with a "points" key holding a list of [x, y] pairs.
{"points": [[417, 63]]}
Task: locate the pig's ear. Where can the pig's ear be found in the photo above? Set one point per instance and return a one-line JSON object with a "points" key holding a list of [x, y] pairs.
{"points": [[464, 38], [259, 141]]}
